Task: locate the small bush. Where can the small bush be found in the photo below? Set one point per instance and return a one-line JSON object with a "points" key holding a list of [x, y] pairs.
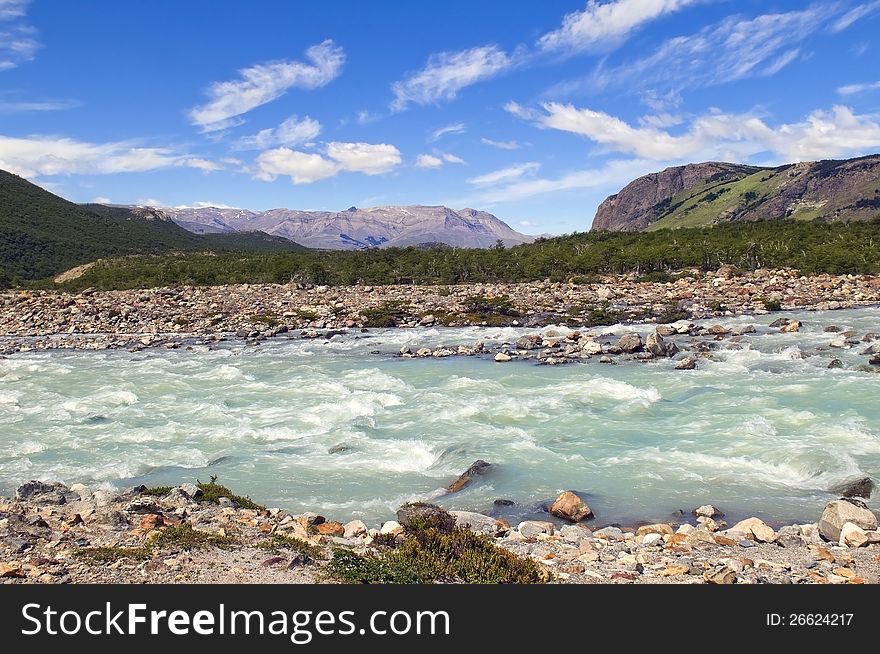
{"points": [[388, 314], [212, 492], [433, 552], [771, 305]]}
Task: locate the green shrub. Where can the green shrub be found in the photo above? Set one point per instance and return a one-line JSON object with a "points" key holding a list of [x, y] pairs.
{"points": [[283, 542], [212, 492]]}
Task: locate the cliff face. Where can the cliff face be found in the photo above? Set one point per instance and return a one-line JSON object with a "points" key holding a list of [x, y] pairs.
{"points": [[639, 203], [699, 195]]}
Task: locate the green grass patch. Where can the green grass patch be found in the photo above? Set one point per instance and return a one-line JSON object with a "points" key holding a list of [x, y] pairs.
{"points": [[283, 542], [157, 491], [388, 314], [181, 536]]}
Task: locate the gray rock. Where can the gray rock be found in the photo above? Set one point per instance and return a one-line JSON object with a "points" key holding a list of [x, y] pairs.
{"points": [[745, 542], [191, 491], [354, 529], [605, 359], [531, 528], [476, 522], [656, 345], [574, 534], [33, 488], [789, 536], [838, 513], [144, 504], [862, 487], [610, 533], [707, 511], [630, 342], [835, 363], [419, 509], [688, 363]]}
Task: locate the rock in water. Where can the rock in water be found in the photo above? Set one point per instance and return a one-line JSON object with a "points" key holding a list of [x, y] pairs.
{"points": [[501, 357], [856, 488], [569, 506], [707, 511], [478, 467], [835, 363], [656, 345], [688, 363], [630, 342], [838, 513], [793, 326]]}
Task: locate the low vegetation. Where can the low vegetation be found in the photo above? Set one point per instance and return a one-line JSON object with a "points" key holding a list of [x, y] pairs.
{"points": [[280, 542], [212, 492], [809, 246], [433, 550], [180, 537]]}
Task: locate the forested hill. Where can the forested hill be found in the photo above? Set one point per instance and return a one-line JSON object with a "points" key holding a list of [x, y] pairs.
{"points": [[42, 234]]}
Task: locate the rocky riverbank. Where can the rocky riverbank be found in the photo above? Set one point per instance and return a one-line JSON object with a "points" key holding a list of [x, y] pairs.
{"points": [[175, 316], [51, 533]]}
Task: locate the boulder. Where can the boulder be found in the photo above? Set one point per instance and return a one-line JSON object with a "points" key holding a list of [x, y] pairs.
{"points": [[331, 528], [630, 342], [835, 363], [707, 511], [569, 506], [574, 533], [793, 326], [855, 488], [529, 342], [853, 536], [754, 529], [591, 347], [420, 509], [688, 363], [838, 513], [531, 528], [656, 345], [501, 357], [354, 529], [478, 467], [391, 528], [476, 522], [660, 528], [33, 488]]}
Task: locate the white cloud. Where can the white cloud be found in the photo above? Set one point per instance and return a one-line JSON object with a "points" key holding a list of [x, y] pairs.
{"points": [[855, 15], [527, 223], [205, 205], [446, 73], [149, 202], [613, 174], [46, 155], [25, 106], [505, 174], [428, 161], [18, 43], [305, 168], [366, 158], [301, 167], [265, 82], [454, 128], [292, 131], [501, 145], [661, 120], [733, 49], [366, 117], [102, 200], [602, 24], [852, 89], [820, 135], [519, 111], [437, 159], [205, 165]]}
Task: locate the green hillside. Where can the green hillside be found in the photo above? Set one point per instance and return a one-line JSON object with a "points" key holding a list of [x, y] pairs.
{"points": [[42, 234]]}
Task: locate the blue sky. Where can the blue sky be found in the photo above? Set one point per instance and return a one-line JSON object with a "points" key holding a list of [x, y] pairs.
{"points": [[533, 111]]}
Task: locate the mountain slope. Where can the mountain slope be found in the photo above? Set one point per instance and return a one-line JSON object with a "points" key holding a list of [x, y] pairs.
{"points": [[390, 226], [42, 234], [706, 194]]}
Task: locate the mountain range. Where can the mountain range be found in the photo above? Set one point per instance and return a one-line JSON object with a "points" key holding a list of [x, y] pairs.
{"points": [[705, 194], [354, 228]]}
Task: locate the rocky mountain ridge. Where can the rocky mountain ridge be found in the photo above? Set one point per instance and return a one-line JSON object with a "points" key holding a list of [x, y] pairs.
{"points": [[355, 228], [705, 194]]}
